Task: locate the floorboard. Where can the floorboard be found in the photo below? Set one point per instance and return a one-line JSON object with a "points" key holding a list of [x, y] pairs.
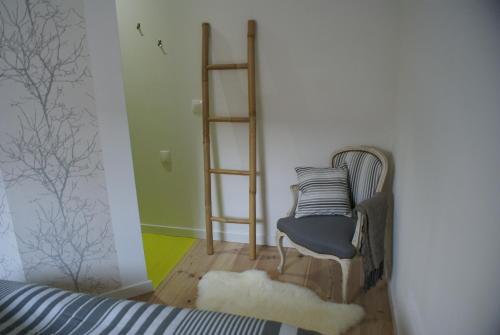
{"points": [[322, 276]]}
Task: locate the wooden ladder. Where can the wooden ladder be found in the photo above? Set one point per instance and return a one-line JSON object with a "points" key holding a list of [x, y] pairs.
{"points": [[250, 119]]}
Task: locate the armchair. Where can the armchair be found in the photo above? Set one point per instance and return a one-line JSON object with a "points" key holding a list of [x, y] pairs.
{"points": [[337, 237]]}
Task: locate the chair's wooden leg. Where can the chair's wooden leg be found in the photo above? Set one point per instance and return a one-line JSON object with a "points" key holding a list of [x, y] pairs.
{"points": [[345, 265], [279, 245]]}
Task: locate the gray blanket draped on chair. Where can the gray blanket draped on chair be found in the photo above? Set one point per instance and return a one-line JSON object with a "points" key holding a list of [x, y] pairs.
{"points": [[373, 235]]}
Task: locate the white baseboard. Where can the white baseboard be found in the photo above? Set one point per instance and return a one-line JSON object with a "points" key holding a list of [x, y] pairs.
{"points": [[130, 291], [198, 233]]}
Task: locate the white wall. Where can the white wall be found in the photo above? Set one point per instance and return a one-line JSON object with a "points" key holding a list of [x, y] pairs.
{"points": [[104, 49], [325, 80], [447, 220]]}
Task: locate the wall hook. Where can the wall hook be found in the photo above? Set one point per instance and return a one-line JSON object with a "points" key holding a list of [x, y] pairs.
{"points": [[160, 45], [139, 28]]}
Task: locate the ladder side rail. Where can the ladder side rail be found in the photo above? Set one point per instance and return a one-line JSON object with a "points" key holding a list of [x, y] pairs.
{"points": [[206, 138], [252, 137]]}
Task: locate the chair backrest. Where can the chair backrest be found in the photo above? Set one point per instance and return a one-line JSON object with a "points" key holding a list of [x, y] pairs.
{"points": [[367, 168]]}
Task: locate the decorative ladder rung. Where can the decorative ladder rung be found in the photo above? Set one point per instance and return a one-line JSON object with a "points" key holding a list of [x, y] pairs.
{"points": [[229, 220], [233, 172], [227, 66], [228, 119]]}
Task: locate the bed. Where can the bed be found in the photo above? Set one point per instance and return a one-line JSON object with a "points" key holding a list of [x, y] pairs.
{"points": [[38, 309]]}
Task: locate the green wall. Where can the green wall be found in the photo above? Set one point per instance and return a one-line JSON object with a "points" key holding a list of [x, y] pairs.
{"points": [[158, 104]]}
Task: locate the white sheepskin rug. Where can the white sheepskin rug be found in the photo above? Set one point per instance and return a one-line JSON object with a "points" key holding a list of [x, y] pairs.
{"points": [[252, 293]]}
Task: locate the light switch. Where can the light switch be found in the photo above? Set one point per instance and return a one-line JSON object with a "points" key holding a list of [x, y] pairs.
{"points": [[196, 106], [165, 156]]}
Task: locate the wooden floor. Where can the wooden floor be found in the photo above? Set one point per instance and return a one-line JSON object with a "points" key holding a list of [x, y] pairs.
{"points": [[322, 276]]}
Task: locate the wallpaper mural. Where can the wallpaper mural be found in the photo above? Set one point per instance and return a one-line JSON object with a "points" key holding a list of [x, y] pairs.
{"points": [[10, 263], [50, 156]]}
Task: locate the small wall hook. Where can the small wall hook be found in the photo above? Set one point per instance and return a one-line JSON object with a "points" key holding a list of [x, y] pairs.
{"points": [[160, 45], [139, 28]]}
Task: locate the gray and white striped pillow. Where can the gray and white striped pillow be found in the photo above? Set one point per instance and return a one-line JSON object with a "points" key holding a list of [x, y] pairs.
{"points": [[323, 191]]}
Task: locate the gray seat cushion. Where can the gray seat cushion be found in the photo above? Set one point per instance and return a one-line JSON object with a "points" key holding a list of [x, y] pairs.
{"points": [[324, 234]]}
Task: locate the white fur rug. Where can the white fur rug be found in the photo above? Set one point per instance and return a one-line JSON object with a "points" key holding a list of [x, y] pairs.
{"points": [[252, 293]]}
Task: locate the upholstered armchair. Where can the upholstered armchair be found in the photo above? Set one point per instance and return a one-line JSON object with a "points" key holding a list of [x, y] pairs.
{"points": [[337, 237]]}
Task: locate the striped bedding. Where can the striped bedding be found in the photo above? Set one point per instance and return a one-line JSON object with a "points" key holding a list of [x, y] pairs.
{"points": [[37, 309]]}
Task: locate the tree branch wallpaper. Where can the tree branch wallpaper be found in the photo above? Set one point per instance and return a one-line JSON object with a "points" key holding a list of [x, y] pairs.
{"points": [[50, 156], [10, 263]]}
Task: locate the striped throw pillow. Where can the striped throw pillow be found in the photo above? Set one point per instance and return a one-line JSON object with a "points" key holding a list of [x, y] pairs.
{"points": [[323, 191]]}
